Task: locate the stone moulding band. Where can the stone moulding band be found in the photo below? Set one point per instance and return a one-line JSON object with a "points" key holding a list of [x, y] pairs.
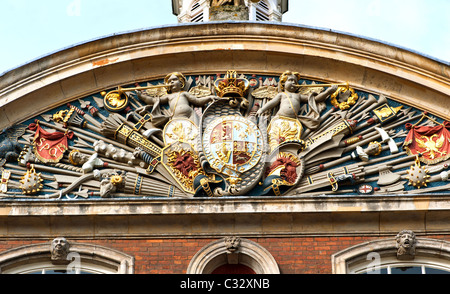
{"points": [[56, 75]]}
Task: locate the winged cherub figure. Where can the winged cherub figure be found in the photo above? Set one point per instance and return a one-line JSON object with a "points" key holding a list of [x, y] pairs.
{"points": [[289, 100], [177, 98]]}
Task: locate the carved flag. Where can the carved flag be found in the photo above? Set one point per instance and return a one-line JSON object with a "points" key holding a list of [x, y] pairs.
{"points": [[432, 142], [49, 147]]}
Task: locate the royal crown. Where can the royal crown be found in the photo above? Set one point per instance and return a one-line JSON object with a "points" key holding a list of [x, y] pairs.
{"points": [[231, 85]]}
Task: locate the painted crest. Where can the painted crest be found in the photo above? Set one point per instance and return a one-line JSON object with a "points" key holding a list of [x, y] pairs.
{"points": [[432, 143], [225, 136], [232, 145], [283, 129], [49, 147], [180, 130], [181, 161]]}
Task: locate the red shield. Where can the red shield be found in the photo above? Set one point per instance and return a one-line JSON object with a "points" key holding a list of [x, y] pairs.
{"points": [[432, 142], [49, 147]]}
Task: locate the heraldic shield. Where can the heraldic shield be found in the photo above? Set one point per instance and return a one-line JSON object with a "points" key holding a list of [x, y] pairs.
{"points": [[232, 147], [225, 136]]}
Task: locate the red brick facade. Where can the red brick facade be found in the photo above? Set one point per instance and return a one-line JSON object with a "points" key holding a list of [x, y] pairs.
{"points": [[300, 255]]}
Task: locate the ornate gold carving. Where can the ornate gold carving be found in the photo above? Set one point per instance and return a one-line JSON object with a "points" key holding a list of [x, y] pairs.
{"points": [[385, 112], [265, 92], [115, 101], [344, 91], [344, 126], [283, 129], [235, 155], [180, 130], [228, 149], [60, 116], [31, 182], [231, 85], [418, 175], [432, 147], [116, 180], [127, 135], [200, 91], [183, 164]]}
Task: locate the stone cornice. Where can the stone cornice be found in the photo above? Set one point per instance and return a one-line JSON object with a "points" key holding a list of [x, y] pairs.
{"points": [[226, 205], [218, 217]]}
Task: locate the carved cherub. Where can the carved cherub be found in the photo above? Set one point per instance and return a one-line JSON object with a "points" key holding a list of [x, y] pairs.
{"points": [[289, 100], [178, 99]]}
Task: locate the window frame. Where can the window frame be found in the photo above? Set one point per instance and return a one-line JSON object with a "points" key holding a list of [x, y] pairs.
{"points": [[389, 262], [215, 254], [431, 253], [94, 259]]}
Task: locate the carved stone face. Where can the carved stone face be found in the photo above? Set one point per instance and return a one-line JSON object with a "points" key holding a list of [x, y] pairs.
{"points": [[406, 240], [291, 83], [232, 243], [176, 83], [406, 244], [59, 249], [373, 149], [77, 158]]}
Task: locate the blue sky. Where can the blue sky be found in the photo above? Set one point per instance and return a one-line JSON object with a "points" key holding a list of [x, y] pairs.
{"points": [[30, 29]]}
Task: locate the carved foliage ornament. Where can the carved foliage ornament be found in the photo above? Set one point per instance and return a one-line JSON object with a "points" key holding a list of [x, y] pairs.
{"points": [[226, 135]]}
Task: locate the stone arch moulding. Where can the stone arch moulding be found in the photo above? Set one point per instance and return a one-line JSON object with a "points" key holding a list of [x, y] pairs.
{"points": [[210, 48], [96, 255], [425, 247], [250, 254]]}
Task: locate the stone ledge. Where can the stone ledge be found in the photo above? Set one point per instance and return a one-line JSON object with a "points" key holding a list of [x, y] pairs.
{"points": [[203, 218], [226, 205]]}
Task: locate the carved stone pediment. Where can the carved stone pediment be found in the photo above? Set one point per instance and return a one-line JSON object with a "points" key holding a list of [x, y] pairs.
{"points": [[236, 135]]}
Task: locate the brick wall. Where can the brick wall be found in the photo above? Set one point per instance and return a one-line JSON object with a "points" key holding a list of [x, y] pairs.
{"points": [[302, 255]]}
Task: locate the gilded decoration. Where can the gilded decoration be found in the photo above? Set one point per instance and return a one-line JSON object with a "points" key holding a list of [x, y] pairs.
{"points": [[224, 135]]}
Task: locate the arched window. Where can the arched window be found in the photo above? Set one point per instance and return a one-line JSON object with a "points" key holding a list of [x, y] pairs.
{"points": [[233, 256], [431, 256], [81, 259]]}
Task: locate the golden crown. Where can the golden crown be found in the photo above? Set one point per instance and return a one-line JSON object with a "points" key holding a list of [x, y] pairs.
{"points": [[231, 85]]}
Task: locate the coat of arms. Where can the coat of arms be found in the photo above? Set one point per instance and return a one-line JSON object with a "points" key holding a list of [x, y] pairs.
{"points": [[214, 136], [232, 145]]}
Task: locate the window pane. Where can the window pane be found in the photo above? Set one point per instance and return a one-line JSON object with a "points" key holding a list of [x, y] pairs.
{"points": [[55, 272], [434, 271], [407, 270], [381, 271]]}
